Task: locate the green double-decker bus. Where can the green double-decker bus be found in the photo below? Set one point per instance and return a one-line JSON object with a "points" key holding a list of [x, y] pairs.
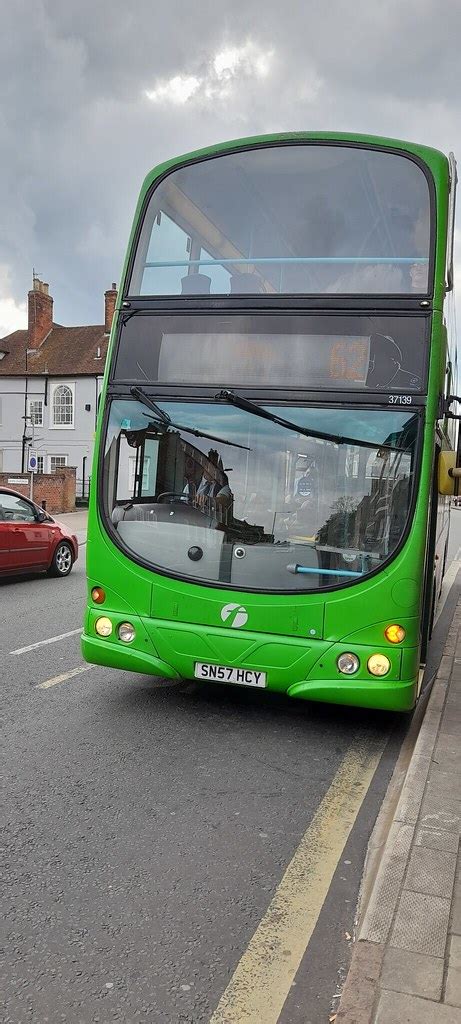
{"points": [[271, 483]]}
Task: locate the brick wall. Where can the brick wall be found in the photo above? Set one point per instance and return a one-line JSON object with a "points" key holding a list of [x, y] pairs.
{"points": [[54, 491]]}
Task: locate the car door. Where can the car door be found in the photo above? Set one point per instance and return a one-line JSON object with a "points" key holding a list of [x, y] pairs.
{"points": [[4, 542], [29, 540]]}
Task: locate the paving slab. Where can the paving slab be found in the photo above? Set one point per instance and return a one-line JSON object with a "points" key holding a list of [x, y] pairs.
{"points": [[398, 1008], [378, 919], [455, 924], [421, 923], [415, 973], [446, 815], [453, 981], [453, 988], [437, 839], [431, 871]]}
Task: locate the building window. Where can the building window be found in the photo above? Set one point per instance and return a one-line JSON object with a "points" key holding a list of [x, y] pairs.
{"points": [[57, 462], [40, 464], [63, 406], [132, 473], [36, 412]]}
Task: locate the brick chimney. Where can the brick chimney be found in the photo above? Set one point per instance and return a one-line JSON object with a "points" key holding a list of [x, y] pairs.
{"points": [[40, 313], [110, 297]]}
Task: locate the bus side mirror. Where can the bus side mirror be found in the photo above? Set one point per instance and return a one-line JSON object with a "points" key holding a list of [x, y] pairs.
{"points": [[446, 472]]}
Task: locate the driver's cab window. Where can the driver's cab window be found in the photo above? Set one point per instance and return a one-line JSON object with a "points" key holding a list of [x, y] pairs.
{"points": [[17, 510], [137, 466]]}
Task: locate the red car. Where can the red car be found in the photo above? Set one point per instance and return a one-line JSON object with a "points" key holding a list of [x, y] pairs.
{"points": [[30, 540]]}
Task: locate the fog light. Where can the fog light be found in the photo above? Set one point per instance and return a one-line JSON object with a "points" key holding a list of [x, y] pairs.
{"points": [[348, 663], [126, 632], [103, 626], [378, 665], [98, 595], [395, 634]]}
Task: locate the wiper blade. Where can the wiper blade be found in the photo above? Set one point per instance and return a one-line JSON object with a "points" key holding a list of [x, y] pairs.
{"points": [[257, 410], [166, 421]]}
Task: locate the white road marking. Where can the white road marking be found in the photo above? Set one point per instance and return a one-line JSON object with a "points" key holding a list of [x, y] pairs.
{"points": [[42, 643], [62, 678]]}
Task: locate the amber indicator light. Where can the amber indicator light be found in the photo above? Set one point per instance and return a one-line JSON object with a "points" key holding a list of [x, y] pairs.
{"points": [[98, 595], [395, 634]]}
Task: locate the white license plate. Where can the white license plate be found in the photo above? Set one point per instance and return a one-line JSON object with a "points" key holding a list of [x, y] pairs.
{"points": [[224, 674]]}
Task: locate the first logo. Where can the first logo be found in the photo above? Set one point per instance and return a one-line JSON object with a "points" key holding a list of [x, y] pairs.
{"points": [[235, 615]]}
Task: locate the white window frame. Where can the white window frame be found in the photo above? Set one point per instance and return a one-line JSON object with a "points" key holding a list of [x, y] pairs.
{"points": [[132, 473], [53, 390], [57, 456], [40, 463], [36, 401]]}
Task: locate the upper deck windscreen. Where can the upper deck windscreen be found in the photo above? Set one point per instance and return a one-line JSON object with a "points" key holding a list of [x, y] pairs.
{"points": [[288, 219]]}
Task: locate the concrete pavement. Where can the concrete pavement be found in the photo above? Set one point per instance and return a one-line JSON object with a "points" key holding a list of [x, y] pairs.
{"points": [[76, 521], [406, 967]]}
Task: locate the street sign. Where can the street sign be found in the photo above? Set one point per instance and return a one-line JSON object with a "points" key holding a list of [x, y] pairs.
{"points": [[32, 462]]}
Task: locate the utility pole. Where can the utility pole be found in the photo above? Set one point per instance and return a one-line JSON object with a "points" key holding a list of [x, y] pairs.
{"points": [[29, 441], [31, 448]]}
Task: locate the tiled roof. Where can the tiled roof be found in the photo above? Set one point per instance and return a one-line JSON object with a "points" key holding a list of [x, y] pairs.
{"points": [[66, 351]]}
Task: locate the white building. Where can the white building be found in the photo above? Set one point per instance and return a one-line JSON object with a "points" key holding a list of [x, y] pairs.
{"points": [[50, 378]]}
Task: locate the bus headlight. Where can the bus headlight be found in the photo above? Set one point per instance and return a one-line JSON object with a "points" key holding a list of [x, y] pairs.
{"points": [[348, 663], [378, 665], [126, 632], [395, 634], [103, 626]]}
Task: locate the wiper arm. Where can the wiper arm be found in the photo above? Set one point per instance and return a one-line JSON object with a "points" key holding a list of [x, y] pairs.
{"points": [[257, 410], [166, 421], [143, 397]]}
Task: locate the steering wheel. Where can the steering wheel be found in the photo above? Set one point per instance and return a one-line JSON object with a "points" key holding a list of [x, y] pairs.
{"points": [[169, 496]]}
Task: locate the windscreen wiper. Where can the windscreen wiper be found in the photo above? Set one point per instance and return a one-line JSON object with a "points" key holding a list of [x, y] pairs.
{"points": [[257, 410], [163, 418], [143, 397]]}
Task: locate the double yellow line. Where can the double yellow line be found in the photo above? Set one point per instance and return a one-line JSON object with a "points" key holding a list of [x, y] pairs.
{"points": [[263, 977]]}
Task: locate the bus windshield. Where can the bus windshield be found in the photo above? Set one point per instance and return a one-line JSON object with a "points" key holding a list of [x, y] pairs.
{"points": [[308, 218], [262, 506]]}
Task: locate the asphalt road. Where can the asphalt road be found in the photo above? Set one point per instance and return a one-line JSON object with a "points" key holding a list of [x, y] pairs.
{"points": [[149, 826]]}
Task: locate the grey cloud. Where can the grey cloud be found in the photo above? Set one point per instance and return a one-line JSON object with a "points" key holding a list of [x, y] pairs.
{"points": [[77, 133]]}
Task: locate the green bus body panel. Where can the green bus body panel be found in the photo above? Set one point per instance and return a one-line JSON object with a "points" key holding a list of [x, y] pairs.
{"points": [[295, 638]]}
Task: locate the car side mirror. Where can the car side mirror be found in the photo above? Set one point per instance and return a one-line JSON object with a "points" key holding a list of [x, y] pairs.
{"points": [[41, 516]]}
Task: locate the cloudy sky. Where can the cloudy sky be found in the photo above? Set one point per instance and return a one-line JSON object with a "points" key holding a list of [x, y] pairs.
{"points": [[95, 94]]}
